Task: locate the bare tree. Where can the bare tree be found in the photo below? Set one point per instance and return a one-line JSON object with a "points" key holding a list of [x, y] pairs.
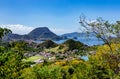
{"points": [[101, 28]]}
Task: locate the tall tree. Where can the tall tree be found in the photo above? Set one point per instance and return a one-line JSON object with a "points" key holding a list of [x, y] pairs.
{"points": [[101, 28], [4, 31]]}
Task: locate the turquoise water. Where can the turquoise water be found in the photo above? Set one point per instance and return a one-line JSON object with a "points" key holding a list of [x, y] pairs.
{"points": [[84, 58]]}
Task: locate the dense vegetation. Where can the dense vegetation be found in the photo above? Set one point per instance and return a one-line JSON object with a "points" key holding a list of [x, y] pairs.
{"points": [[28, 60]]}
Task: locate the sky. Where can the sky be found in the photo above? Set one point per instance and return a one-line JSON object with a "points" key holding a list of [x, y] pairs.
{"points": [[61, 16]]}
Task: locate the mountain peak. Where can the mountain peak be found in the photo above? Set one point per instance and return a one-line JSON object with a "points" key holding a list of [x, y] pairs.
{"points": [[40, 33], [42, 28]]}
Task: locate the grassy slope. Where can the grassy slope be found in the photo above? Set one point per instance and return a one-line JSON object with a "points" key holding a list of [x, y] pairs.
{"points": [[33, 58]]}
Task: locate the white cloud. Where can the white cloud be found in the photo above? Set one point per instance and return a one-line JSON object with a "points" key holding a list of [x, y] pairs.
{"points": [[18, 28], [22, 29]]}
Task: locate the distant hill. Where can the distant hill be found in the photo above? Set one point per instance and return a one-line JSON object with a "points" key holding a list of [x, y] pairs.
{"points": [[68, 45], [72, 44], [77, 34], [47, 44], [41, 33], [73, 34]]}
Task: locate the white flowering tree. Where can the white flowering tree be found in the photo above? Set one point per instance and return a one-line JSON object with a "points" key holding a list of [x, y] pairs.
{"points": [[101, 28]]}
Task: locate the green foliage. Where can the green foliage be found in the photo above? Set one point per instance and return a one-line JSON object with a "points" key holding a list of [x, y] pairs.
{"points": [[49, 72], [116, 28], [4, 31], [18, 45], [28, 73], [22, 47], [2, 48], [10, 65]]}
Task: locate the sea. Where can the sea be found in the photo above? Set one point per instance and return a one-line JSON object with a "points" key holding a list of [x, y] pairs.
{"points": [[90, 41]]}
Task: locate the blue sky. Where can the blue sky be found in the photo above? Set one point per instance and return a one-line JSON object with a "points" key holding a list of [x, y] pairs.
{"points": [[61, 16]]}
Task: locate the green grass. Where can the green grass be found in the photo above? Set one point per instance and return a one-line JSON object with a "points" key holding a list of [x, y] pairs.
{"points": [[33, 58], [56, 49]]}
